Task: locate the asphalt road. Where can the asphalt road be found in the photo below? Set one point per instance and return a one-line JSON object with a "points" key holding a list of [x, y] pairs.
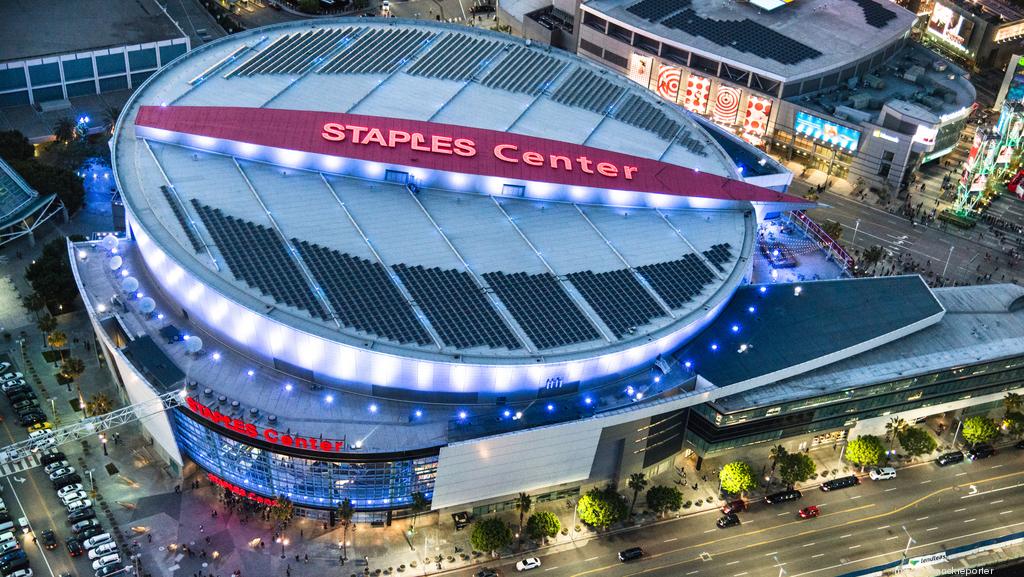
{"points": [[859, 527]]}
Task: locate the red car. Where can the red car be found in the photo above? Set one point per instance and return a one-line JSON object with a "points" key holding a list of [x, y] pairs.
{"points": [[808, 512]]}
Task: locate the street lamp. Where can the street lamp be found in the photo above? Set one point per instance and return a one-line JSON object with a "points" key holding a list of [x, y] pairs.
{"points": [[947, 260], [103, 441], [572, 530], [283, 542], [910, 540]]}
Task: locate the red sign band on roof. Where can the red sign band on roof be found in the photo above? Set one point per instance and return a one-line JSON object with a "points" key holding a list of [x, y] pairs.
{"points": [[449, 148]]}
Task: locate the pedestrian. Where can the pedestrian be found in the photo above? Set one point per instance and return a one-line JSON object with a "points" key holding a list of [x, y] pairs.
{"points": [[306, 558], [207, 539], [177, 489], [296, 557], [301, 534]]}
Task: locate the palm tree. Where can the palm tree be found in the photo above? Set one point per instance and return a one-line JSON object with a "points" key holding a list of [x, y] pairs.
{"points": [[100, 404], [345, 513], [637, 482], [1013, 402], [71, 368], [894, 428], [110, 116], [777, 453], [419, 505], [35, 302], [57, 340], [64, 129], [46, 324], [872, 255], [523, 503], [282, 510]]}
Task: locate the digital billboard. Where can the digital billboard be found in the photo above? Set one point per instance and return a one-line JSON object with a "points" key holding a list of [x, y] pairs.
{"points": [[755, 123], [830, 132], [698, 89], [727, 105], [950, 25], [667, 82]]}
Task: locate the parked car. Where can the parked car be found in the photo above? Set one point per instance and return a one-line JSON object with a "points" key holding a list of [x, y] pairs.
{"points": [[42, 444], [68, 490], [56, 465], [1019, 445], [728, 521], [8, 546], [82, 515], [882, 473], [13, 556], [4, 366], [105, 561], [737, 506], [49, 539], [950, 458], [981, 451], [27, 572], [22, 396], [103, 550], [45, 425], [111, 570], [808, 512], [91, 532], [67, 480], [83, 525], [52, 457], [840, 483], [74, 546], [61, 472], [17, 389], [631, 554], [29, 419], [13, 383], [487, 572], [78, 505], [22, 405], [11, 376], [527, 564], [782, 497], [96, 541], [16, 565], [73, 496]]}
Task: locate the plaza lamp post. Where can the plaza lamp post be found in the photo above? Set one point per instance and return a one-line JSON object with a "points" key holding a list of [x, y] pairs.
{"points": [[572, 530], [283, 541], [103, 441]]}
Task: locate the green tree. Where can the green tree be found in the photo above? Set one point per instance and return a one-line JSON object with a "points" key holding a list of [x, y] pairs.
{"points": [[865, 451], [35, 302], [50, 275], [1013, 402], [64, 130], [490, 534], [637, 482], [796, 468], [872, 255], [1014, 424], [71, 368], [916, 441], [57, 340], [523, 503], [419, 505], [776, 454], [601, 507], [979, 429], [59, 180], [345, 513], [110, 116], [99, 404], [662, 499], [282, 510], [893, 428], [46, 325], [15, 146], [832, 228], [737, 478], [543, 524]]}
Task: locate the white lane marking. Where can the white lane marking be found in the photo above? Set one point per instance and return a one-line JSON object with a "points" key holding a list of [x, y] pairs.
{"points": [[808, 544], [856, 497], [970, 520], [960, 510], [924, 482], [672, 539], [732, 562], [960, 474], [742, 574], [992, 491], [891, 489], [591, 558], [893, 537], [1006, 512], [818, 555], [933, 529], [921, 518], [996, 466], [996, 502], [772, 553], [845, 536], [551, 568], [783, 514], [694, 572], [710, 531], [854, 546], [883, 527]]}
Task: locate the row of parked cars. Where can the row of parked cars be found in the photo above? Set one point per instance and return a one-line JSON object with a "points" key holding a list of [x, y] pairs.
{"points": [[88, 535], [732, 509]]}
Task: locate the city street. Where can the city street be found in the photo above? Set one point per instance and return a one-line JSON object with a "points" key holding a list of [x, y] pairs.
{"points": [[859, 527]]}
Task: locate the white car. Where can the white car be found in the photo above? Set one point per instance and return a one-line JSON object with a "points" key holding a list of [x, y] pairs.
{"points": [[43, 443], [882, 473], [54, 466], [96, 541], [73, 496], [22, 573], [61, 472], [527, 564], [78, 505], [4, 366], [104, 549], [69, 489], [41, 433], [104, 561], [11, 376], [8, 385], [8, 546]]}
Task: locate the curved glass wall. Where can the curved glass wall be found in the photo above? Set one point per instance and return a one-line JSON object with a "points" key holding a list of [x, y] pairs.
{"points": [[307, 482]]}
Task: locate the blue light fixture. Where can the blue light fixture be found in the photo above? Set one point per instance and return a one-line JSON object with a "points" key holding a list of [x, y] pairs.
{"points": [[764, 289], [714, 346], [735, 328], [551, 408], [418, 413], [288, 387], [507, 413], [329, 398], [588, 401], [373, 407], [250, 372], [462, 415], [630, 390], [688, 364], [751, 310]]}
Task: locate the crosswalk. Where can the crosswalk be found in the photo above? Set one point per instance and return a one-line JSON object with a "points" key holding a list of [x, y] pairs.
{"points": [[12, 467]]}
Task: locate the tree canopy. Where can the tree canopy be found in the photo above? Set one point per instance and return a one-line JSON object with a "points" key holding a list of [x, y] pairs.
{"points": [[490, 534], [865, 451], [50, 275], [737, 477], [796, 468], [15, 146], [979, 429], [916, 441], [662, 499], [543, 524], [601, 507]]}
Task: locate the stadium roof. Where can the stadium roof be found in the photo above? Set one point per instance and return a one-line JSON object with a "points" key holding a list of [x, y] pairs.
{"points": [[797, 40], [30, 29], [532, 279]]}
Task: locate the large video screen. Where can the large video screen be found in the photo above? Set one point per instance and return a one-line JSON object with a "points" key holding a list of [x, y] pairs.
{"points": [[950, 25], [830, 132]]}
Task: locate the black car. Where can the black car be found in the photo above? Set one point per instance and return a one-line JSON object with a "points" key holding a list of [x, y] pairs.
{"points": [[486, 572], [26, 396], [30, 419], [840, 483], [782, 497], [81, 515], [49, 539], [24, 405], [61, 482], [53, 457], [981, 451], [1019, 445], [950, 458], [728, 521], [631, 554], [5, 517], [74, 547], [17, 564], [90, 532], [17, 390], [12, 556]]}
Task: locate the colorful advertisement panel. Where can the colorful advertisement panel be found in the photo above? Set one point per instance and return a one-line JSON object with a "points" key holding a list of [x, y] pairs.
{"points": [[950, 25], [727, 105], [698, 90], [640, 69], [755, 123], [830, 132], [667, 82], [1005, 154]]}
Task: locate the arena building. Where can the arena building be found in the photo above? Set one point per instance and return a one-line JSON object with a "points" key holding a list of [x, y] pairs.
{"points": [[389, 257], [835, 84]]}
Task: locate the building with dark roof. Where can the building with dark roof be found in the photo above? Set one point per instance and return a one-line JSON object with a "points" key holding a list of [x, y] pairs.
{"points": [[383, 257], [22, 209]]}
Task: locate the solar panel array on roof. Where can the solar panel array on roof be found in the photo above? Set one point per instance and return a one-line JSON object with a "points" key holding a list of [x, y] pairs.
{"points": [[719, 254], [456, 307], [380, 51], [743, 35], [362, 294], [541, 306], [618, 298], [179, 213], [257, 256], [455, 57], [589, 91], [875, 14], [638, 112], [524, 70], [293, 54], [678, 281], [655, 10]]}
